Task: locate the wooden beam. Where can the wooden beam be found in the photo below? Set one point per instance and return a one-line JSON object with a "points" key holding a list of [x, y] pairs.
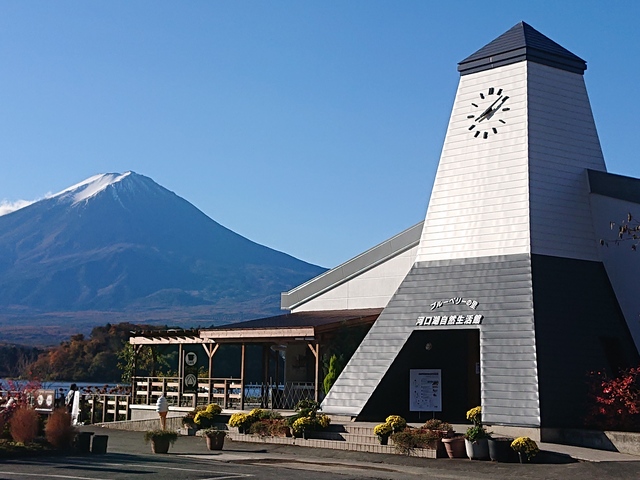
{"points": [[164, 340], [303, 333], [210, 350]]}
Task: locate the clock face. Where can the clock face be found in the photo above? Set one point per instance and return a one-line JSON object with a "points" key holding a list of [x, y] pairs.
{"points": [[487, 112]]}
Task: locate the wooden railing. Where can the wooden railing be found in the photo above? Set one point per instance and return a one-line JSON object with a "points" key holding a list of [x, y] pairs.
{"points": [[103, 408], [226, 392]]}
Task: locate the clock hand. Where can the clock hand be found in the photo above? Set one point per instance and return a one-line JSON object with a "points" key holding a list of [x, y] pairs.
{"points": [[489, 109], [491, 113]]}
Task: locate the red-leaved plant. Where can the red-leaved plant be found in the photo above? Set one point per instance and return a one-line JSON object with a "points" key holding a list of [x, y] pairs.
{"points": [[59, 432], [23, 425], [614, 403]]}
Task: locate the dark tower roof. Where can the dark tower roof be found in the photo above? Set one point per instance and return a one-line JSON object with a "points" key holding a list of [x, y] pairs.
{"points": [[522, 42]]}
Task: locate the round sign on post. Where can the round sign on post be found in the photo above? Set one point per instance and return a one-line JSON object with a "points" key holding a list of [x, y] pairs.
{"points": [[190, 358], [190, 378]]}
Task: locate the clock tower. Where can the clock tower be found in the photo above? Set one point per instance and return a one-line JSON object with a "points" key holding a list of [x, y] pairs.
{"points": [[508, 298]]}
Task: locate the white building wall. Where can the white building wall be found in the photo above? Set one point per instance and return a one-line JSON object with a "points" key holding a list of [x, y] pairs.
{"points": [[524, 189], [479, 202], [620, 261], [371, 289], [563, 141]]}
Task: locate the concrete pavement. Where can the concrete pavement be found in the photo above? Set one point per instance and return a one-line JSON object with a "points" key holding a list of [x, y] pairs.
{"points": [[554, 462]]}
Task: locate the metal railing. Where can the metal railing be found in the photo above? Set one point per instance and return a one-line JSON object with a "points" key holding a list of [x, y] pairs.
{"points": [[282, 396], [94, 407], [226, 392]]}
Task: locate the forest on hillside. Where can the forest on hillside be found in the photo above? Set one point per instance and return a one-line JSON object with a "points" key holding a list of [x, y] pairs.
{"points": [[105, 356], [100, 357]]}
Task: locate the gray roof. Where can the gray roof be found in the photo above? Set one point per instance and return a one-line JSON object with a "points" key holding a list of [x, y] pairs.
{"points": [[306, 319], [522, 42], [614, 186], [315, 287]]}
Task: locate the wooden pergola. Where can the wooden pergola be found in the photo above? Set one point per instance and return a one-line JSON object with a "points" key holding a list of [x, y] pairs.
{"points": [[313, 329]]}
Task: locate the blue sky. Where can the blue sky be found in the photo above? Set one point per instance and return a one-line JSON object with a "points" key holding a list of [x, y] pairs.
{"points": [[312, 127]]}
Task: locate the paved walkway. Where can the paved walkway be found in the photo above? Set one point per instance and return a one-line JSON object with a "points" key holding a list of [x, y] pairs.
{"points": [[123, 441]]}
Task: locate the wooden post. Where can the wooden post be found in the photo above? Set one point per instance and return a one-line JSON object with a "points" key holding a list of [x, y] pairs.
{"points": [[93, 409], [316, 352], [180, 373], [115, 408], [242, 373], [133, 374], [264, 389]]}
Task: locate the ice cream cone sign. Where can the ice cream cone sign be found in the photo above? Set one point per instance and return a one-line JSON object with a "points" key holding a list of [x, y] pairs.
{"points": [[162, 407]]}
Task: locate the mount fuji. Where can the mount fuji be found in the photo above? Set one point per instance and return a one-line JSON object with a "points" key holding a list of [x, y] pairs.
{"points": [[121, 247]]}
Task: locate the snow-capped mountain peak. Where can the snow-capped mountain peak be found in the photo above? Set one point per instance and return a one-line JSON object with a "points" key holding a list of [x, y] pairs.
{"points": [[90, 187]]}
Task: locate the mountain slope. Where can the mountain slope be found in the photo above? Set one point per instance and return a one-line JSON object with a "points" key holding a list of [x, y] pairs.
{"points": [[117, 242]]}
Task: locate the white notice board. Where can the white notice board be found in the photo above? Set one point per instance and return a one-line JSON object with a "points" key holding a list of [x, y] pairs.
{"points": [[425, 387]]}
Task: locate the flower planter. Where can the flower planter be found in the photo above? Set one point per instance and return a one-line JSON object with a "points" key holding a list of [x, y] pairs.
{"points": [[439, 448], [160, 445], [215, 442], [478, 450], [99, 444], [500, 450], [384, 440], [455, 447]]}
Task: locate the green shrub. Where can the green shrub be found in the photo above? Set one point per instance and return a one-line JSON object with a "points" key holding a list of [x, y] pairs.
{"points": [[332, 374], [160, 434], [477, 432]]}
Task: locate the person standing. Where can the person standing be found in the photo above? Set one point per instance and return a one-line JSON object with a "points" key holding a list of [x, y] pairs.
{"points": [[162, 407], [68, 401], [72, 401]]}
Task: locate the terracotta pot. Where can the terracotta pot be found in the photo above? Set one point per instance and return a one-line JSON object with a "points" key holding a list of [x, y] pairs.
{"points": [[478, 450], [455, 447], [160, 445]]}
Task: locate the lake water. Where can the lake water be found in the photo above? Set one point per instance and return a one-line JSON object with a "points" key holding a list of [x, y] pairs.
{"points": [[57, 385]]}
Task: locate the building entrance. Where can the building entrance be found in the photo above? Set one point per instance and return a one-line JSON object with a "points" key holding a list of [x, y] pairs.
{"points": [[456, 353]]}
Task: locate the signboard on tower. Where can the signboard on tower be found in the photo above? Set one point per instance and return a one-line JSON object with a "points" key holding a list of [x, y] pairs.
{"points": [[190, 376]]}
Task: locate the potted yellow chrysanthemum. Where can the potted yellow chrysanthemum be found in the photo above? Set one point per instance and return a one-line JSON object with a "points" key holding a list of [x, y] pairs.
{"points": [[383, 431], [526, 448]]}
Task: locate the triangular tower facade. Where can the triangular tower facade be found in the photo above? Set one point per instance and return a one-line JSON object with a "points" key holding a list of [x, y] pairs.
{"points": [[508, 294]]}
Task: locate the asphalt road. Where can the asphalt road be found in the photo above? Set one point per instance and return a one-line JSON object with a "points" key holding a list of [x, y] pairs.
{"points": [[129, 458]]}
